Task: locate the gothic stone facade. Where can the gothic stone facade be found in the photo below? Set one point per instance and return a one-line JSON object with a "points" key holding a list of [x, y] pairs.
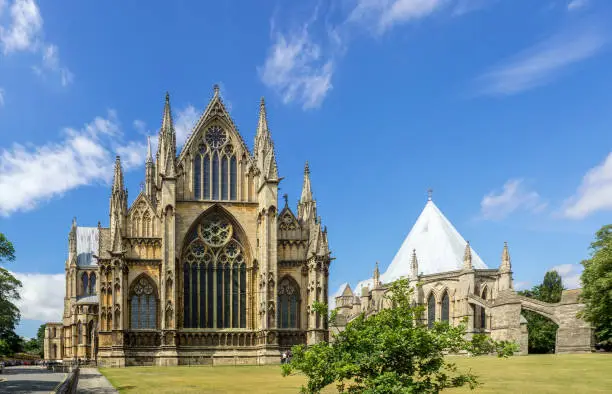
{"points": [[455, 286], [202, 267]]}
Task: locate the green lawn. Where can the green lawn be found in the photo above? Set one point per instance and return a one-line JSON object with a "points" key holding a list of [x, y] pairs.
{"points": [[587, 373]]}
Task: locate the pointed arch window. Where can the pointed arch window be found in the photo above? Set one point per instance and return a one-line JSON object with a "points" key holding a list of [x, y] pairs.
{"points": [[445, 307], [143, 305], [218, 298], [79, 333], [84, 279], [288, 303], [224, 178], [215, 167], [431, 310], [92, 284], [197, 176], [233, 178]]}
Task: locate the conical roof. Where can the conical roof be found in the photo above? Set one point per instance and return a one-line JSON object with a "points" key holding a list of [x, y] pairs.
{"points": [[439, 247]]}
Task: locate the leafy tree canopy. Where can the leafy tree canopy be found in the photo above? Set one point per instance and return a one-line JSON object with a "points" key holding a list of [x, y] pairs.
{"points": [[597, 286], [7, 251], [389, 352]]}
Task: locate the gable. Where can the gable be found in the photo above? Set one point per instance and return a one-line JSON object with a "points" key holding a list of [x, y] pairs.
{"points": [[215, 114], [142, 220]]}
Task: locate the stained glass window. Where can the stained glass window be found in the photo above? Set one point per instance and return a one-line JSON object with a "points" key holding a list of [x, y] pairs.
{"points": [[431, 310], [143, 305], [222, 277], [215, 177], [197, 177], [224, 176], [206, 177], [445, 307], [84, 278], [92, 284], [288, 299], [233, 178]]}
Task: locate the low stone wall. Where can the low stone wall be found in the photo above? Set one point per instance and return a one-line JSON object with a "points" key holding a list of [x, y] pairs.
{"points": [[70, 384]]}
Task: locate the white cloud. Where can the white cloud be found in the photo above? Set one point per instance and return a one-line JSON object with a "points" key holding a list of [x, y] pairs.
{"points": [[384, 14], [521, 285], [515, 196], [51, 62], [299, 64], [297, 69], [24, 32], [32, 175], [570, 275], [184, 123], [594, 193], [42, 296], [574, 5], [24, 29], [544, 62], [1, 97]]}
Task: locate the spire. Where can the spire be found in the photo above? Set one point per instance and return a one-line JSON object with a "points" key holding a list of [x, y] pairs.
{"points": [[467, 257], [414, 265], [118, 176], [149, 156], [376, 276], [306, 188], [506, 264], [262, 125], [167, 125]]}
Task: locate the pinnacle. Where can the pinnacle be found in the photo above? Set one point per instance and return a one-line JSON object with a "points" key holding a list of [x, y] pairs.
{"points": [[167, 97], [216, 89], [306, 168]]}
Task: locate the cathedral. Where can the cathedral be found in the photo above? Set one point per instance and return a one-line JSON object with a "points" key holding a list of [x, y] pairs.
{"points": [[202, 267], [454, 285]]}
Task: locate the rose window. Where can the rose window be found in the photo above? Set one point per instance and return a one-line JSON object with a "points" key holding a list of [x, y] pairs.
{"points": [[216, 137], [216, 233]]}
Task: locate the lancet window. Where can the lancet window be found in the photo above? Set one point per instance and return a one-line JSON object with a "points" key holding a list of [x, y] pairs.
{"points": [[215, 170], [431, 310], [143, 305], [85, 283], [214, 277], [288, 303], [483, 313], [445, 307]]}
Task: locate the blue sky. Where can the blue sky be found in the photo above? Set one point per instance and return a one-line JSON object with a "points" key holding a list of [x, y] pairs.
{"points": [[501, 106]]}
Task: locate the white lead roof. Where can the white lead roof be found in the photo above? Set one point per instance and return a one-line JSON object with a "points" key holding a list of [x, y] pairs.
{"points": [[439, 247]]}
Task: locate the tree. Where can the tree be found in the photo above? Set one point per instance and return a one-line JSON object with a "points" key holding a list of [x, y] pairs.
{"points": [[9, 293], [543, 331], [389, 352], [7, 251], [597, 286]]}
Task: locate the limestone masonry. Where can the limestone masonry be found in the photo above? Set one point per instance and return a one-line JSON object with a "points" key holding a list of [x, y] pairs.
{"points": [[203, 267]]}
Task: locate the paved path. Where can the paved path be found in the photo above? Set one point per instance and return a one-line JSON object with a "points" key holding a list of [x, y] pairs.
{"points": [[30, 379], [92, 381]]}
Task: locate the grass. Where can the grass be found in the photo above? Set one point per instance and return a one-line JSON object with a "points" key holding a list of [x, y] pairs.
{"points": [[580, 373]]}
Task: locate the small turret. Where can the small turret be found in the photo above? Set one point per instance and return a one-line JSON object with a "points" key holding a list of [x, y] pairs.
{"points": [[505, 270], [506, 265], [467, 257], [149, 173], [166, 150], [414, 265], [307, 207], [376, 276]]}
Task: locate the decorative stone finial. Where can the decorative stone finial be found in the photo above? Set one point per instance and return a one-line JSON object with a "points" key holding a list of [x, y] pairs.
{"points": [[216, 89], [286, 197], [167, 97], [467, 256], [306, 168], [429, 194]]}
